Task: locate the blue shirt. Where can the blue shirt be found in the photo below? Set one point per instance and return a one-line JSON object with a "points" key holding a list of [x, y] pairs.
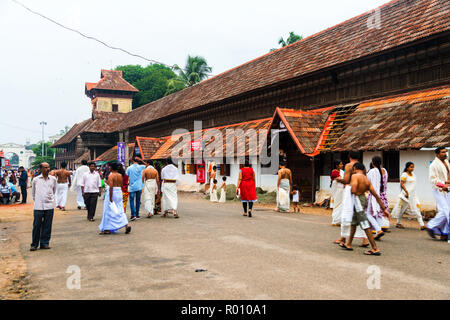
{"points": [[13, 188], [134, 173]]}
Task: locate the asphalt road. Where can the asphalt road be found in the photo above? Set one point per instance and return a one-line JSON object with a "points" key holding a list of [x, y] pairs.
{"points": [[269, 256]]}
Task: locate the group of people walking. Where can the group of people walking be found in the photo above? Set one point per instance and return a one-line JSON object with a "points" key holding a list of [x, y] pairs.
{"points": [[139, 178], [361, 217]]}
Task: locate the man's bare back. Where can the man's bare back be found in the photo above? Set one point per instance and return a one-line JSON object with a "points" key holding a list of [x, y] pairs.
{"points": [[285, 173], [115, 180], [62, 175], [360, 184], [150, 173]]}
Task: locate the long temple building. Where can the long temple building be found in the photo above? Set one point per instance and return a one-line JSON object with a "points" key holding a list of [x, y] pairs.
{"points": [[381, 88]]}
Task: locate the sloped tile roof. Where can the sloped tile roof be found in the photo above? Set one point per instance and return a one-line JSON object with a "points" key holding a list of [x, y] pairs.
{"points": [[409, 121], [149, 146], [402, 21], [111, 80], [240, 141], [72, 133], [111, 154], [85, 156], [305, 127], [104, 122]]}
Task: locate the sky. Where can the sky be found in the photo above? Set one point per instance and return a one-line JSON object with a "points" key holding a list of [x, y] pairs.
{"points": [[43, 67]]}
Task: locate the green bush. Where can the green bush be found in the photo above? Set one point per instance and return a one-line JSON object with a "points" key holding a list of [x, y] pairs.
{"points": [[231, 192], [260, 190]]}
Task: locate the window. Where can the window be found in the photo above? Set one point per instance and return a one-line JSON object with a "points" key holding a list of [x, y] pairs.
{"points": [[224, 169], [115, 108], [391, 162]]}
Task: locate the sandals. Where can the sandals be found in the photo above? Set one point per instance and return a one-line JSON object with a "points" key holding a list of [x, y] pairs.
{"points": [[176, 216], [345, 247], [379, 236], [372, 253], [105, 232], [244, 214], [400, 226], [128, 230], [249, 214]]}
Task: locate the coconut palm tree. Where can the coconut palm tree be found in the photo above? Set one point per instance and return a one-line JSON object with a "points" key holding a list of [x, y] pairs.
{"points": [[195, 70], [290, 40]]}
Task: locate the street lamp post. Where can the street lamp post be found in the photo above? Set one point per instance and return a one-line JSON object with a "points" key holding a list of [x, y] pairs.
{"points": [[43, 123]]}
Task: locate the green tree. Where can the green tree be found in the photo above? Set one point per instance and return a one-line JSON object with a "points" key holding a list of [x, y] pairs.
{"points": [[290, 40], [174, 85], [47, 150], [195, 70], [152, 82], [39, 159]]}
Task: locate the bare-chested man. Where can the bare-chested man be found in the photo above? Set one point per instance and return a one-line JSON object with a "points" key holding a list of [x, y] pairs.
{"points": [[359, 186], [284, 188], [150, 179], [114, 217], [63, 184], [353, 157]]}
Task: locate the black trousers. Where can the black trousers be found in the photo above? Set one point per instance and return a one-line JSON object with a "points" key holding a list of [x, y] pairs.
{"points": [[90, 200], [24, 194], [42, 227], [5, 198]]}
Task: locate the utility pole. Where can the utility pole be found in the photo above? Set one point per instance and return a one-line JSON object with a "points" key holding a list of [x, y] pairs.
{"points": [[43, 123]]}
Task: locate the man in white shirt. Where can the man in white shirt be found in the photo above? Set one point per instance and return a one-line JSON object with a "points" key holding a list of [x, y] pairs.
{"points": [[43, 192], [439, 173], [5, 192], [169, 201], [76, 183], [90, 188]]}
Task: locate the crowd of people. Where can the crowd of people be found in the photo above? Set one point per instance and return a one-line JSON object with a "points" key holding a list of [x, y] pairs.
{"points": [[367, 218], [358, 196], [10, 183]]}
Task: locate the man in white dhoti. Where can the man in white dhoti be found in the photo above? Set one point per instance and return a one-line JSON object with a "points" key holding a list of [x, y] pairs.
{"points": [[77, 181], [439, 174], [337, 192], [62, 186], [348, 205], [169, 201], [284, 188], [114, 217], [150, 179]]}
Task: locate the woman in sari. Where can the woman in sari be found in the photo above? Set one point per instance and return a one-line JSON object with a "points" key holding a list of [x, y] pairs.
{"points": [[246, 187], [125, 193], [337, 192], [378, 178], [408, 197]]}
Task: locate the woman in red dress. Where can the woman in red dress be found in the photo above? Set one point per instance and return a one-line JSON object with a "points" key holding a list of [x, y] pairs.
{"points": [[246, 187]]}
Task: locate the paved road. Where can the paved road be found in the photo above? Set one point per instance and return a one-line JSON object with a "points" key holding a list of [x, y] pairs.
{"points": [[270, 256]]}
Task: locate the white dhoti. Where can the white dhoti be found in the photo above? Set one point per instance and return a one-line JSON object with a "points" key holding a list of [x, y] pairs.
{"points": [[440, 223], [223, 195], [213, 196], [169, 199], [114, 217], [61, 194], [347, 215], [412, 205], [80, 199], [283, 199], [150, 189], [338, 193]]}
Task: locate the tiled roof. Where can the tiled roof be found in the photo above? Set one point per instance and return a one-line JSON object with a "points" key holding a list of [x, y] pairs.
{"points": [[402, 21], [305, 127], [182, 142], [72, 133], [111, 154], [409, 121], [104, 122], [85, 156], [111, 80], [149, 146]]}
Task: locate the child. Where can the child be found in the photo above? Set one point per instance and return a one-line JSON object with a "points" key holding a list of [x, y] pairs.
{"points": [[295, 198], [223, 190], [213, 197]]}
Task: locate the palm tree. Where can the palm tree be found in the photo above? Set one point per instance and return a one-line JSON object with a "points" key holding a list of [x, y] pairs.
{"points": [[195, 70], [290, 40]]}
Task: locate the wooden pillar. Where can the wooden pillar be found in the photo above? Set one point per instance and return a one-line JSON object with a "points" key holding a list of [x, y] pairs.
{"points": [[125, 139], [313, 186]]}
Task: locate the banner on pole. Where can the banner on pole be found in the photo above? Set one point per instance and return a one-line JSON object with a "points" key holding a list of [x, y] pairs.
{"points": [[121, 152]]}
